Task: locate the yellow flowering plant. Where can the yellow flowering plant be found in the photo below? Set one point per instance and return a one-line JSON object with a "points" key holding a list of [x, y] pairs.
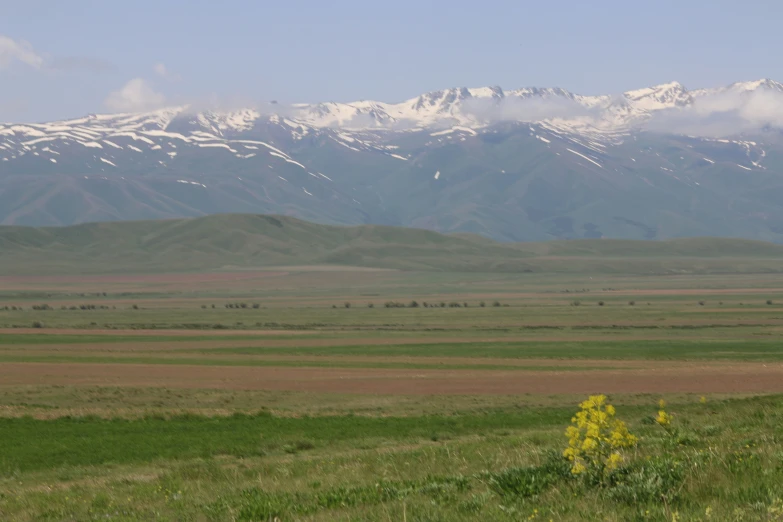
{"points": [[596, 438], [663, 418]]}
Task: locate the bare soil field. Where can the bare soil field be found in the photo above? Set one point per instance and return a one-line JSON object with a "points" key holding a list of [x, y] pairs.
{"points": [[675, 378]]}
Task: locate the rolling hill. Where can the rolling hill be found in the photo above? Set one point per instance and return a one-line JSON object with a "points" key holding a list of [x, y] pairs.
{"points": [[237, 241]]}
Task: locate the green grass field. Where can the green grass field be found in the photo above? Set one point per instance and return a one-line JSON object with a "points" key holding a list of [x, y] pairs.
{"points": [[304, 409]]}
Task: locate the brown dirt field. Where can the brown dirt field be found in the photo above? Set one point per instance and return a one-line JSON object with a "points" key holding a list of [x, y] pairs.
{"points": [[677, 378], [140, 278], [174, 333], [697, 291]]}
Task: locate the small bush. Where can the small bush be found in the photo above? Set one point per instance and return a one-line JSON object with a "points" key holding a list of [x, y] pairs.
{"points": [[465, 305], [454, 304], [576, 302], [648, 481], [496, 304], [442, 304], [203, 307], [370, 305], [256, 306], [600, 303], [38, 324], [135, 307], [769, 301], [413, 304], [482, 304], [701, 303], [296, 447], [631, 303], [526, 482], [347, 304]]}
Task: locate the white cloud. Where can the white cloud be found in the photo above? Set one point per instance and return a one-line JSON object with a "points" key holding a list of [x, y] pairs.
{"points": [[165, 73], [525, 109], [723, 114], [18, 51], [136, 95]]}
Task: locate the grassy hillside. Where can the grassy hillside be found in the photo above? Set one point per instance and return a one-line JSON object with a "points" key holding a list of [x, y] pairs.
{"points": [[244, 241]]}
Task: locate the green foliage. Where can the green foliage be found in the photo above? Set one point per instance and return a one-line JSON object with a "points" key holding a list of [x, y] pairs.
{"points": [[647, 481], [529, 481]]}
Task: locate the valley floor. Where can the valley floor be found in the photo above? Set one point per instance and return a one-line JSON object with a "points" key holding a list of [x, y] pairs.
{"points": [[386, 396]]}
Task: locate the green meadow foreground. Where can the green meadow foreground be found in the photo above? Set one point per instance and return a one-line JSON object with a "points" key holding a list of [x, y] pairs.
{"points": [[342, 394]]}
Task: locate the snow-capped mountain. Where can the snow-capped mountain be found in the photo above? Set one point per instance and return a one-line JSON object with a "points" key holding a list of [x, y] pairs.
{"points": [[527, 163]]}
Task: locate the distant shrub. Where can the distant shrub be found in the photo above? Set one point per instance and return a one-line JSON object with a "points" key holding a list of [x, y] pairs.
{"points": [[41, 307], [701, 303], [442, 304], [296, 447], [454, 304], [425, 304], [631, 303], [600, 303], [135, 307], [203, 307], [370, 305], [37, 324], [213, 306], [465, 305], [334, 306], [413, 304], [242, 305], [482, 304], [720, 303], [256, 306], [496, 304], [769, 301], [347, 304], [576, 302]]}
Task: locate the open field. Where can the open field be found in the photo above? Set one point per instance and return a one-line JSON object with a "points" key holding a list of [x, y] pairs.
{"points": [[133, 398]]}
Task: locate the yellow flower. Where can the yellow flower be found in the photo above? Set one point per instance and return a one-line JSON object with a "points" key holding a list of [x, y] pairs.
{"points": [[661, 404], [614, 460], [703, 399], [664, 419], [595, 437], [589, 445]]}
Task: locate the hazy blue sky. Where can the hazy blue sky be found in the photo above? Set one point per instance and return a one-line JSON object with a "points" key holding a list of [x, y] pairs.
{"points": [[68, 58]]}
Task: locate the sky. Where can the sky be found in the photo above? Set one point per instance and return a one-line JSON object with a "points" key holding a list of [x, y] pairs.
{"points": [[67, 59]]}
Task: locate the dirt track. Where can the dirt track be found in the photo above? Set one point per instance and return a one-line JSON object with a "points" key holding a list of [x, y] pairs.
{"points": [[678, 378]]}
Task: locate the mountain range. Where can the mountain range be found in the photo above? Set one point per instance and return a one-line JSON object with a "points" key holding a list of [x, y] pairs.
{"points": [[528, 164]]}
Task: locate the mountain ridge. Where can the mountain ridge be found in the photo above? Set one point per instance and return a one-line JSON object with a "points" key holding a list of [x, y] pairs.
{"points": [[549, 164]]}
